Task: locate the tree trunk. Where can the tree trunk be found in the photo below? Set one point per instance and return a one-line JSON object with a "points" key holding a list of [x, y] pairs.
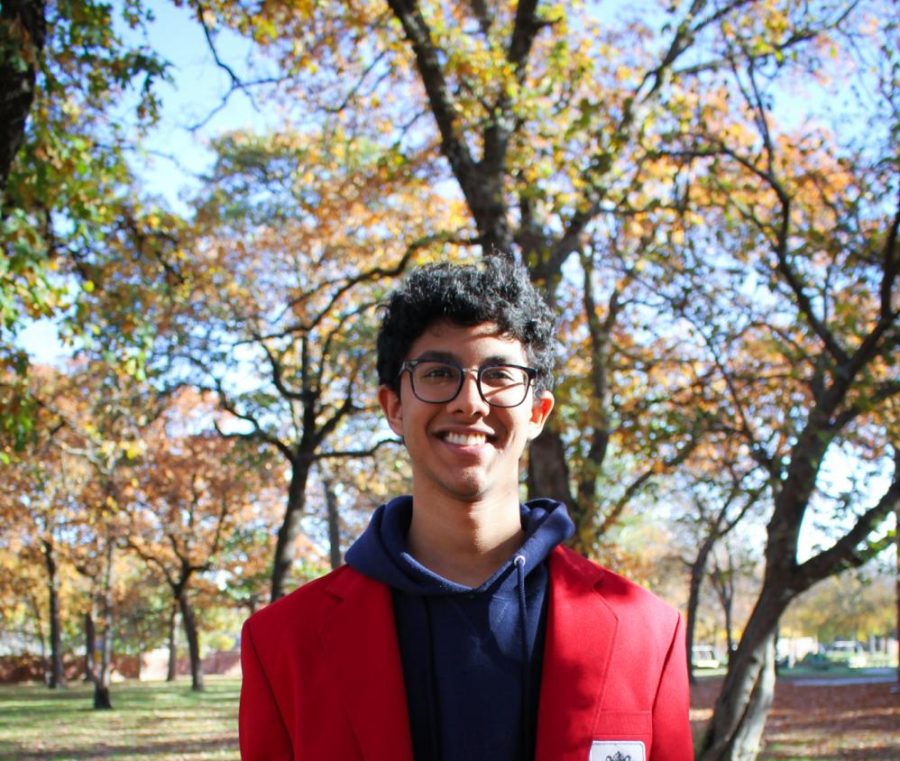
{"points": [[728, 609], [725, 591], [193, 639], [90, 645], [290, 527], [22, 34], [735, 731], [742, 706], [334, 524], [102, 699], [698, 571], [38, 624], [172, 671], [57, 675], [548, 472]]}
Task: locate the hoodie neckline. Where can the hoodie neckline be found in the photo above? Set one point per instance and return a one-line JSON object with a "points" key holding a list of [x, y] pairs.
{"points": [[382, 552]]}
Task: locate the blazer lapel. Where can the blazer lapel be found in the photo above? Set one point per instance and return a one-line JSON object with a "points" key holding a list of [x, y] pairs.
{"points": [[581, 630], [360, 641]]}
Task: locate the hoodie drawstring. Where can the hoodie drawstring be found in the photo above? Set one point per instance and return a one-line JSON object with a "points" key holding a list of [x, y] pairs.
{"points": [[527, 734]]}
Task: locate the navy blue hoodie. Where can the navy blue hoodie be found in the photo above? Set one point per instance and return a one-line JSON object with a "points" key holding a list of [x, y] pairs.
{"points": [[471, 656]]}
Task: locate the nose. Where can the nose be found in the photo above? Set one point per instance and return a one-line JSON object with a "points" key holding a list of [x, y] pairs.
{"points": [[468, 400]]}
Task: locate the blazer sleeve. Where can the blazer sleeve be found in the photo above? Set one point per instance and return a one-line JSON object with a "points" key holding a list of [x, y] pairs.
{"points": [[672, 739], [262, 732]]}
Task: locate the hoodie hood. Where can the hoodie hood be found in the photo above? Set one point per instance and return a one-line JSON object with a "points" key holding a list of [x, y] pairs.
{"points": [[381, 553]]}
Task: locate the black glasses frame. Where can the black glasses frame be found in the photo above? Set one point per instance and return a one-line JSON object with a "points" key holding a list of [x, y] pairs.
{"points": [[409, 365]]}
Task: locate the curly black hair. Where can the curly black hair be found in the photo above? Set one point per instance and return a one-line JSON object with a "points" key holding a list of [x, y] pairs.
{"points": [[496, 291]]}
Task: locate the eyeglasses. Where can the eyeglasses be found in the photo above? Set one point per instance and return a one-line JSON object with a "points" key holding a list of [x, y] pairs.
{"points": [[438, 382]]}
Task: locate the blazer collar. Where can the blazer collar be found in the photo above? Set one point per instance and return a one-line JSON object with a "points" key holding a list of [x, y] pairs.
{"points": [[360, 642], [581, 630]]}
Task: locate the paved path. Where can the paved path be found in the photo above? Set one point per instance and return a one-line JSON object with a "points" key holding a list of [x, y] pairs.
{"points": [[868, 676]]}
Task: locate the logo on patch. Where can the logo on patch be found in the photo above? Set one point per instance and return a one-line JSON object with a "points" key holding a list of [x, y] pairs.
{"points": [[617, 750]]}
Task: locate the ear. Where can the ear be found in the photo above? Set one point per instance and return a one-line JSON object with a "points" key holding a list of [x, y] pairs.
{"points": [[393, 410], [540, 411]]}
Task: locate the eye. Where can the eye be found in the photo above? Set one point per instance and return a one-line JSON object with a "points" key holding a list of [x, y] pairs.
{"points": [[435, 372], [500, 375]]}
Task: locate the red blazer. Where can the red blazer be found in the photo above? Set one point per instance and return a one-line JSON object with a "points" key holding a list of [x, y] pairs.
{"points": [[322, 678]]}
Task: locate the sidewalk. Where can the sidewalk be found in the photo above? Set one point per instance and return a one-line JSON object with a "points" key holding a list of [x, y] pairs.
{"points": [[866, 676]]}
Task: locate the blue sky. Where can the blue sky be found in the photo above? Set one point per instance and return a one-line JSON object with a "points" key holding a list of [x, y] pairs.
{"points": [[177, 154]]}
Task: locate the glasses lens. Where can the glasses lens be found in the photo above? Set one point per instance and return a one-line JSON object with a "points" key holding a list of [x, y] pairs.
{"points": [[435, 381], [504, 385]]}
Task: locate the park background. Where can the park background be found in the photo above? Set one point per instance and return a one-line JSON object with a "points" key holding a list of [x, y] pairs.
{"points": [[204, 203]]}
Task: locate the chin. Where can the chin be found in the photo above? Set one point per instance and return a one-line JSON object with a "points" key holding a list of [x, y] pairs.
{"points": [[467, 490], [469, 493], [480, 491]]}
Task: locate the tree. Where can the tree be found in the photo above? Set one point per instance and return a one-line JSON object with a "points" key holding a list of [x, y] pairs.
{"points": [[102, 413], [721, 497], [721, 277], [22, 590], [530, 191], [627, 410], [732, 565], [799, 313], [192, 492], [350, 489], [63, 496], [40, 499], [66, 191], [23, 30]]}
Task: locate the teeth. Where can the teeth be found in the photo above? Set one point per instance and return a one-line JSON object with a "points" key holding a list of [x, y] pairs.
{"points": [[466, 439]]}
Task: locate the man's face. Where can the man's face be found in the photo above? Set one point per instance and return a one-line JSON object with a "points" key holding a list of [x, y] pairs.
{"points": [[465, 449]]}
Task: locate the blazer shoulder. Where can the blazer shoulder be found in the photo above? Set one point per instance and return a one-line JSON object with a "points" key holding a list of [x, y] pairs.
{"points": [[295, 611], [622, 594]]}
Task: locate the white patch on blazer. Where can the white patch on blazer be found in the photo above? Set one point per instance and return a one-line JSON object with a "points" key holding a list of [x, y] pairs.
{"points": [[617, 750]]}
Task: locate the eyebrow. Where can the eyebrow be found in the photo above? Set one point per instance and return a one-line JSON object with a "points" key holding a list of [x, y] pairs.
{"points": [[446, 356]]}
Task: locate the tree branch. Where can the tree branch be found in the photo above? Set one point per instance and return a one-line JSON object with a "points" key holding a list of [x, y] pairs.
{"points": [[346, 453], [258, 433], [844, 554]]}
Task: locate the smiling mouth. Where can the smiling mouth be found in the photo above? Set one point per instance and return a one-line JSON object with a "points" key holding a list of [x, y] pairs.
{"points": [[465, 439]]}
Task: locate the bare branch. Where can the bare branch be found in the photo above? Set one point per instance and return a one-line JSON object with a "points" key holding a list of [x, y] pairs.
{"points": [[684, 37], [346, 453], [844, 553], [891, 268], [258, 433], [347, 283], [610, 518], [351, 93], [237, 84]]}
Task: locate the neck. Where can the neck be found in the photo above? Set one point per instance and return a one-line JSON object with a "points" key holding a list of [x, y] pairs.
{"points": [[465, 542]]}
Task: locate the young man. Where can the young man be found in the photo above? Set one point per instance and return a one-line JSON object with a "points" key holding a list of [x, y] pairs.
{"points": [[461, 629]]}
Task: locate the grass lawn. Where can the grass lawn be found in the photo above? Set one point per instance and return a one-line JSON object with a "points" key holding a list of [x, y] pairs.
{"points": [[156, 720], [151, 720]]}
